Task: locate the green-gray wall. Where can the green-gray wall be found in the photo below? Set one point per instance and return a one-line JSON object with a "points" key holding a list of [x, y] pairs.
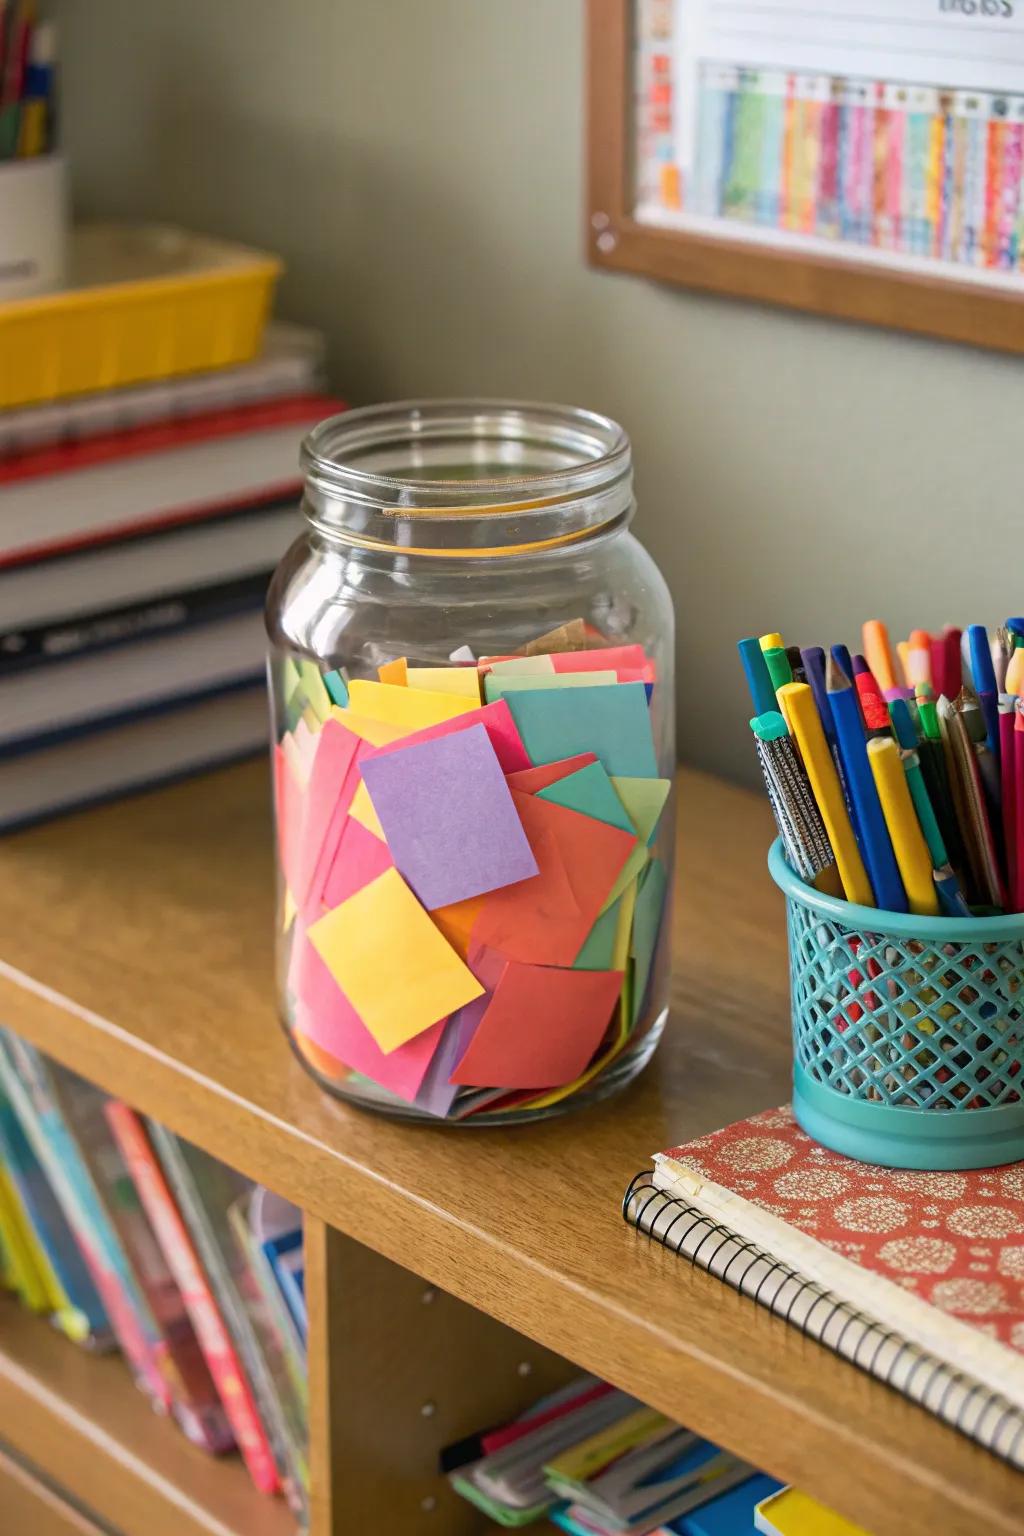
{"points": [[419, 165]]}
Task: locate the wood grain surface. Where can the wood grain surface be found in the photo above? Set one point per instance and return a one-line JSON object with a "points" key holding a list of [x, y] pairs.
{"points": [[81, 1419], [136, 947]]}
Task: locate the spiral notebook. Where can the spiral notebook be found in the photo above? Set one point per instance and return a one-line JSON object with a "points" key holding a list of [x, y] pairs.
{"points": [[914, 1277]]}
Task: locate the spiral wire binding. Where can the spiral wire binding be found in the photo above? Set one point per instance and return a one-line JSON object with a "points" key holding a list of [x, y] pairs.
{"points": [[952, 1395]]}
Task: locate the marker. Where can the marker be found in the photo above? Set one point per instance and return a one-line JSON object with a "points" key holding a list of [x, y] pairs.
{"points": [[1015, 672], [1007, 780], [810, 738], [925, 698], [873, 707], [796, 663], [772, 642], [813, 659], [952, 671], [758, 681], [874, 837], [918, 666], [879, 657], [912, 856]]}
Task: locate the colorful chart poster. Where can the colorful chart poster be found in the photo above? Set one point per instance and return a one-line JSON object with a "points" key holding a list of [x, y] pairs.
{"points": [[893, 134]]}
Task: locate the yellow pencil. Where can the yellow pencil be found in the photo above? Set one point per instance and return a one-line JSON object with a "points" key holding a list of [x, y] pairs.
{"points": [[908, 844], [769, 642], [1015, 672], [805, 724]]}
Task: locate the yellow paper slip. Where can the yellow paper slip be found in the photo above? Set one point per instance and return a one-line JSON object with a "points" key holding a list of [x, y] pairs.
{"points": [[377, 732], [395, 968], [463, 682], [362, 810], [411, 708], [792, 1513]]}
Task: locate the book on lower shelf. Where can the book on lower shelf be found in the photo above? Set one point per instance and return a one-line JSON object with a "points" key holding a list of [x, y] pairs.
{"points": [[913, 1276]]}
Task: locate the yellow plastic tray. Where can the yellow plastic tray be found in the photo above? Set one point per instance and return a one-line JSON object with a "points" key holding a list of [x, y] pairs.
{"points": [[143, 302]]}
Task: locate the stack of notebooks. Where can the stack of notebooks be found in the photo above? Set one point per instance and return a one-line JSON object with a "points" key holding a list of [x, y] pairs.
{"points": [[129, 1237], [913, 1276], [595, 1462], [138, 533]]}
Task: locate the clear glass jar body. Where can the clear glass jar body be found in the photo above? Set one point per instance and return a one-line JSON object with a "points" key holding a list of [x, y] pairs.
{"points": [[443, 533]]}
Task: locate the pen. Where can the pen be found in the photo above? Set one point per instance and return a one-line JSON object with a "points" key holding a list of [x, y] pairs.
{"points": [[874, 841], [919, 658], [1008, 777], [952, 673], [985, 686], [879, 658], [760, 684], [796, 814], [947, 886]]}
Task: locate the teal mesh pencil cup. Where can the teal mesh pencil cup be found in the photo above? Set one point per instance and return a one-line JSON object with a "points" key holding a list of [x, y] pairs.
{"points": [[908, 1032]]}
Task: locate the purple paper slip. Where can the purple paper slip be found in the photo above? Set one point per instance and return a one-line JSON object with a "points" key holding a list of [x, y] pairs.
{"points": [[449, 819]]}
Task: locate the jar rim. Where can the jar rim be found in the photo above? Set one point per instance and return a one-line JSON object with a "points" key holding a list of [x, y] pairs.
{"points": [[553, 454]]}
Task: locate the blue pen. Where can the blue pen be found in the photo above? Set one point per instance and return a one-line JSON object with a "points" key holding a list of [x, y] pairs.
{"points": [[984, 674], [874, 835], [758, 680], [813, 659]]}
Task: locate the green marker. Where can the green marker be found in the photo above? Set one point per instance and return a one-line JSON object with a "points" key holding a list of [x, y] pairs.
{"points": [[927, 714], [779, 669]]}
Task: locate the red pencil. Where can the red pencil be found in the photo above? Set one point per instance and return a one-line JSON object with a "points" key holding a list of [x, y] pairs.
{"points": [[937, 646], [1018, 809], [952, 675], [1008, 788], [872, 705]]}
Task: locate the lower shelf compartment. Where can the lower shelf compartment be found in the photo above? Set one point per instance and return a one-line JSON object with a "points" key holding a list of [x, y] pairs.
{"points": [[81, 1421]]}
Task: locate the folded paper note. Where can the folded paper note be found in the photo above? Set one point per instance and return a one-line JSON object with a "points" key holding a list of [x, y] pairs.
{"points": [[532, 780], [410, 708], [590, 791], [335, 753], [496, 685], [462, 681], [612, 722], [359, 858], [644, 800], [647, 920], [540, 1028], [496, 720], [547, 919], [397, 970], [330, 1021], [448, 817]]}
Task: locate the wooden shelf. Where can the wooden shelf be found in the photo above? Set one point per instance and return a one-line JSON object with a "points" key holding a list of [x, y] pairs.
{"points": [[81, 1418], [136, 948]]}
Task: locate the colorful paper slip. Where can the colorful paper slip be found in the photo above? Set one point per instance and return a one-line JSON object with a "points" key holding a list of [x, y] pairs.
{"points": [[436, 1093], [335, 753], [396, 672], [496, 687], [496, 720], [530, 780], [337, 688], [456, 922], [299, 747], [598, 953], [647, 917], [540, 1029], [398, 972], [363, 811], [520, 666], [410, 708], [359, 858], [378, 733], [449, 818], [463, 682], [644, 800], [288, 814], [613, 657], [612, 722], [313, 688], [590, 792], [328, 1019], [631, 870], [547, 920]]}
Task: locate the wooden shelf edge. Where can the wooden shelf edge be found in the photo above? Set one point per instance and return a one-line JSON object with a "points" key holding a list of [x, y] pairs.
{"points": [[82, 1422]]}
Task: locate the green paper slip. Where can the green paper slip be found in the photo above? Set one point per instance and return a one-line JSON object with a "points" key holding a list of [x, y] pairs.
{"points": [[313, 687], [650, 904], [498, 687], [337, 688], [633, 867], [598, 952], [613, 722], [589, 790], [644, 800]]}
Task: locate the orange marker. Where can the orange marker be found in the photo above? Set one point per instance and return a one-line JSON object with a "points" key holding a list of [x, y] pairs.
{"points": [[918, 665], [879, 654]]}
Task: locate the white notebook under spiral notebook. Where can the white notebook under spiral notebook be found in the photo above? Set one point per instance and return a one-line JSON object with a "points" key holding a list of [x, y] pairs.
{"points": [[915, 1277]]}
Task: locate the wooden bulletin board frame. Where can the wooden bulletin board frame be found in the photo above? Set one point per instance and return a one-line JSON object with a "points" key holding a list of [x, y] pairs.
{"points": [[825, 285]]}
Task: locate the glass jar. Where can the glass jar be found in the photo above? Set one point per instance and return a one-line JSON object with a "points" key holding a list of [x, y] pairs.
{"points": [[460, 935]]}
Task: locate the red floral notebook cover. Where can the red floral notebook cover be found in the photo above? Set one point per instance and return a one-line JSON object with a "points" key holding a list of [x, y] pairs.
{"points": [[916, 1277], [955, 1240]]}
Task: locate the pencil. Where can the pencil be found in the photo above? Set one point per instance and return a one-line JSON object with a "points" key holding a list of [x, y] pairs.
{"points": [[824, 781], [912, 856]]}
